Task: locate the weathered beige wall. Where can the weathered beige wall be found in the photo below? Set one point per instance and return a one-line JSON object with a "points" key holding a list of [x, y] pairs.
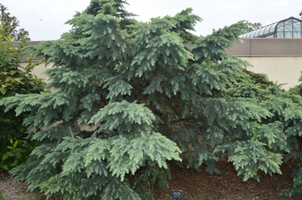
{"points": [[279, 69], [279, 58], [38, 70]]}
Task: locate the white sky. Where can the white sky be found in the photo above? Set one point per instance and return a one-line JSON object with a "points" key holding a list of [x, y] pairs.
{"points": [[44, 19]]}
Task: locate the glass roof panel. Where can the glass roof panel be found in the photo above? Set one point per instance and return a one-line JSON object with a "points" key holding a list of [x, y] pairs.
{"points": [[297, 35], [257, 32], [266, 29], [288, 26], [253, 33], [280, 34], [288, 34], [297, 25], [272, 28], [262, 31], [291, 27], [280, 26]]}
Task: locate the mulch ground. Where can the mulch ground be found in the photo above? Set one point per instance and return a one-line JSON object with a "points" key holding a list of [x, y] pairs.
{"points": [[227, 186]]}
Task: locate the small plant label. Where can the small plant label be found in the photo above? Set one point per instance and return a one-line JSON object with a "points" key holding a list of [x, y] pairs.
{"points": [[176, 193]]}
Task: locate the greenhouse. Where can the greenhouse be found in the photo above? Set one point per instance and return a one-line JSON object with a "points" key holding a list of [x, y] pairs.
{"points": [[288, 28]]}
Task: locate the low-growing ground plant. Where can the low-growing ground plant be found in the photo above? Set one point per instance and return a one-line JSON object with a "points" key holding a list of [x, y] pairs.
{"points": [[17, 152]]}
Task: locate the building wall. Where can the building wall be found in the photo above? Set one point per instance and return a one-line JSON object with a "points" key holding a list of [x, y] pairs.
{"points": [[279, 58], [38, 70], [267, 47], [279, 69]]}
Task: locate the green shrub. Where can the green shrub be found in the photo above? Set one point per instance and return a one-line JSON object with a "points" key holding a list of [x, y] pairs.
{"points": [[14, 79], [17, 152]]}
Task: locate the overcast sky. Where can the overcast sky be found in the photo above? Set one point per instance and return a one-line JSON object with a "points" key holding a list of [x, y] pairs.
{"points": [[44, 19]]}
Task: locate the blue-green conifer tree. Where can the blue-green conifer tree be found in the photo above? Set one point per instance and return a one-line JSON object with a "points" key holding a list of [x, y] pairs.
{"points": [[151, 92]]}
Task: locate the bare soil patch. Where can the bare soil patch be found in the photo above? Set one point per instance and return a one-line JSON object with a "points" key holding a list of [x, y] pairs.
{"points": [[12, 190]]}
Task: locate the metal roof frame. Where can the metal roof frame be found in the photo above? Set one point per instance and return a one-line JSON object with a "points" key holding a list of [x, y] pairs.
{"points": [[278, 29]]}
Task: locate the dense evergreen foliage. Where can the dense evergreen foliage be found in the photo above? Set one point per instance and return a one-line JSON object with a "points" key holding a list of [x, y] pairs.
{"points": [[151, 92]]}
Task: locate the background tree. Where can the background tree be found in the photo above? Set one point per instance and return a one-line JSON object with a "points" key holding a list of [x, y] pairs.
{"points": [[153, 92], [252, 26], [12, 23]]}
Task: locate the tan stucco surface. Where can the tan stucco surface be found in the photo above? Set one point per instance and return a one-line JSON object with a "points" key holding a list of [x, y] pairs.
{"points": [[280, 59], [279, 69], [38, 70]]}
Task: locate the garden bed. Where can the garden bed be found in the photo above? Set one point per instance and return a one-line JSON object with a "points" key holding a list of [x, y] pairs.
{"points": [[195, 186]]}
